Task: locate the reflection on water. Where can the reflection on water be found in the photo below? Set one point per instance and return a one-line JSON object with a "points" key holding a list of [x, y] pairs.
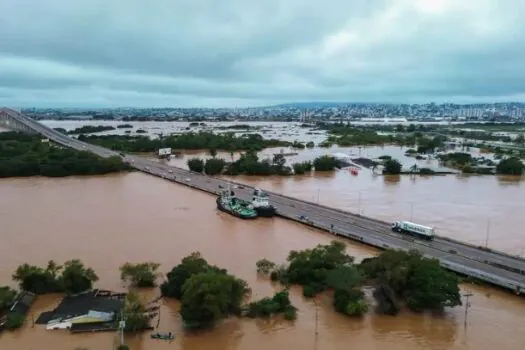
{"points": [[106, 221]]}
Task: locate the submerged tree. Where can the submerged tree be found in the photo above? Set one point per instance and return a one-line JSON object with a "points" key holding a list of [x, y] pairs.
{"points": [[279, 303], [392, 167], [189, 266], [73, 277], [139, 275], [421, 282], [7, 297], [135, 312], [38, 280], [76, 277], [196, 165], [209, 296]]}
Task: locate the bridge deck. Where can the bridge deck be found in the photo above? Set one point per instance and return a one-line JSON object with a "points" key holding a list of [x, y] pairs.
{"points": [[491, 266]]}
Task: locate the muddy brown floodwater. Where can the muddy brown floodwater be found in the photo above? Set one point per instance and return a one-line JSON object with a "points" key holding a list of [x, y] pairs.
{"points": [[106, 221], [458, 206]]}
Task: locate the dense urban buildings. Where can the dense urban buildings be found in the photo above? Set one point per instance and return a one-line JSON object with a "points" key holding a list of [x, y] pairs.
{"points": [[504, 112]]}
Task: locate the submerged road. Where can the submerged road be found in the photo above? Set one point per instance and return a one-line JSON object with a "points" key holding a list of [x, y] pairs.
{"points": [[491, 266]]}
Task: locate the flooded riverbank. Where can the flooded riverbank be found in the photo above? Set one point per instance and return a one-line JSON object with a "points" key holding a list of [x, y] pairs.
{"points": [[106, 221]]}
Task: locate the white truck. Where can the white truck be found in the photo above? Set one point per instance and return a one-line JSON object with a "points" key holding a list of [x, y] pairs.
{"points": [[410, 228], [164, 152]]}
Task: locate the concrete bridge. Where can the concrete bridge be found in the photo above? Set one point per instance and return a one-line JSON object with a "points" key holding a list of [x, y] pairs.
{"points": [[8, 120], [491, 266]]}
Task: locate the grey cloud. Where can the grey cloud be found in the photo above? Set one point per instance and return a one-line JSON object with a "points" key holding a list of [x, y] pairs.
{"points": [[239, 52]]}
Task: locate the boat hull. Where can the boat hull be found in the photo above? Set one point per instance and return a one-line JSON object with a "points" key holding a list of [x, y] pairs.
{"points": [[265, 212], [225, 209]]}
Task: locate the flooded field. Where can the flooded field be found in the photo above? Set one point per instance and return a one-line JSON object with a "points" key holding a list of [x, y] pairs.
{"points": [[106, 221]]}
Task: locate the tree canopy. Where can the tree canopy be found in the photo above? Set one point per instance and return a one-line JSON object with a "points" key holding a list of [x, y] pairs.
{"points": [[279, 303], [510, 166], [89, 129], [421, 282], [76, 278], [7, 297], [73, 277], [207, 293], [209, 296], [26, 155], [326, 163], [135, 312], [250, 164], [140, 275], [189, 266], [190, 140], [392, 167], [320, 268]]}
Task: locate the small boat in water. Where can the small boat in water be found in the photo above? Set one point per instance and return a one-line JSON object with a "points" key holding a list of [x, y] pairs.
{"points": [[228, 203], [163, 336], [261, 204]]}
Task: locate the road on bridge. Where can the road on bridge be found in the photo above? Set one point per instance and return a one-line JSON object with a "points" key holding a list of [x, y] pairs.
{"points": [[472, 260]]}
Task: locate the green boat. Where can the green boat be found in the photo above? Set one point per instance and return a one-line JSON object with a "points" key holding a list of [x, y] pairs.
{"points": [[228, 203]]}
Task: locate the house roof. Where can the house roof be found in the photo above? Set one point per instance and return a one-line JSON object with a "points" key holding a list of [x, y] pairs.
{"points": [[23, 303], [82, 304]]}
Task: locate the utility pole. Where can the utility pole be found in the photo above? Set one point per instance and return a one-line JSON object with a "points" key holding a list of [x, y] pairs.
{"points": [[316, 321], [318, 193], [158, 320], [488, 234], [411, 211], [122, 325], [467, 306]]}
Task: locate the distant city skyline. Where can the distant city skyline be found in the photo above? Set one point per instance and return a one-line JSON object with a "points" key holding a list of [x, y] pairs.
{"points": [[238, 54]]}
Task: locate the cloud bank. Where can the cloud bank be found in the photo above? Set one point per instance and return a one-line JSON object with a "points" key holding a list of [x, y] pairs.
{"points": [[235, 53]]}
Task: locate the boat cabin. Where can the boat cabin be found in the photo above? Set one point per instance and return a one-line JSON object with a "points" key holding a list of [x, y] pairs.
{"points": [[260, 198]]}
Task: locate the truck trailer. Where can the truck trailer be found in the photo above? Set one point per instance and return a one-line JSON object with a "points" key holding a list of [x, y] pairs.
{"points": [[413, 229]]}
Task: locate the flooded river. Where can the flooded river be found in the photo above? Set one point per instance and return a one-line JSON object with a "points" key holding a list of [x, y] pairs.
{"points": [[106, 221], [481, 210], [474, 209]]}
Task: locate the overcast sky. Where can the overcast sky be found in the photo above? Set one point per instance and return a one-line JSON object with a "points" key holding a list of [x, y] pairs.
{"points": [[235, 53]]}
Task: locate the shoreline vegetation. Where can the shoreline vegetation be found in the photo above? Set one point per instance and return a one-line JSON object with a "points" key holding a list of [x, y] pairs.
{"points": [[208, 293], [190, 141], [24, 155], [28, 156], [249, 164]]}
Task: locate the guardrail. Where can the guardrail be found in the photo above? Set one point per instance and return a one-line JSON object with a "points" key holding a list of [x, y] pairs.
{"points": [[387, 224], [354, 236], [490, 250], [517, 287]]}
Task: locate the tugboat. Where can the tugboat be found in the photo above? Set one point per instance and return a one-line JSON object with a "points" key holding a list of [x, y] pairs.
{"points": [[228, 203], [262, 205]]}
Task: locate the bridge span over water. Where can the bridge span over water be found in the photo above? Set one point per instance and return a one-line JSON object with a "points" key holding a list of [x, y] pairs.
{"points": [[491, 266]]}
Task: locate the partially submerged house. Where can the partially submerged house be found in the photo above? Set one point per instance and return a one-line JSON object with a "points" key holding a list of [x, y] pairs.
{"points": [[94, 310], [20, 306]]}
